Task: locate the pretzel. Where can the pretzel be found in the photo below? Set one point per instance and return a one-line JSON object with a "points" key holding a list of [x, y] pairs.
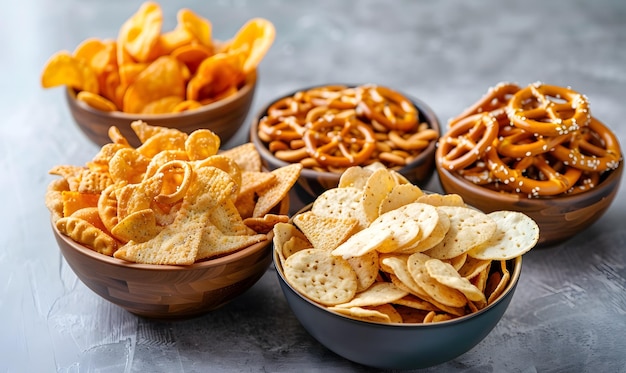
{"points": [[333, 96], [466, 141], [496, 98], [339, 142], [279, 128], [519, 143], [594, 148], [388, 108], [550, 182], [548, 110]]}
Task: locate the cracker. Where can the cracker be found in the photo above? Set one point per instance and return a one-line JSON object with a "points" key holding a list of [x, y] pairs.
{"points": [[515, 235], [320, 276], [363, 242], [436, 290], [445, 274], [246, 156], [377, 187], [324, 232], [400, 195], [271, 196], [377, 294], [366, 269], [343, 203]]}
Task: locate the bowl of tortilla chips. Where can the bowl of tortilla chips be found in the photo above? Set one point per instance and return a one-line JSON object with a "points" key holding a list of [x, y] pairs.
{"points": [[173, 228], [389, 276]]}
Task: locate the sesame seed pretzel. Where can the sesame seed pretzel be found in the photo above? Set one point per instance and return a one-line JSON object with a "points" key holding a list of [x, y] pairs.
{"points": [[593, 148], [389, 108], [280, 128], [466, 141], [520, 143], [496, 98], [339, 141], [547, 182], [548, 110]]}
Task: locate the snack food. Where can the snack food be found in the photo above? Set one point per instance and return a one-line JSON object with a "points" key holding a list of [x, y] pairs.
{"points": [[150, 71], [535, 141], [172, 200], [415, 262], [331, 128]]}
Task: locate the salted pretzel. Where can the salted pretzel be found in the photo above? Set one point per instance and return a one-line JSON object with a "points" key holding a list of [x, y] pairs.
{"points": [[389, 108], [594, 148], [548, 110], [466, 141], [333, 96], [280, 128], [519, 143], [339, 141], [546, 182], [496, 98]]}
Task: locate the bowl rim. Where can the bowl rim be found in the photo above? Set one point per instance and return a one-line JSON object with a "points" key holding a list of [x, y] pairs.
{"points": [[514, 198], [205, 264], [247, 88], [424, 111], [513, 281]]}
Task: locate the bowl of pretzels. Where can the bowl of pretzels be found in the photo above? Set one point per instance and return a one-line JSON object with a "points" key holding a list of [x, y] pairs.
{"points": [[330, 128], [536, 149]]}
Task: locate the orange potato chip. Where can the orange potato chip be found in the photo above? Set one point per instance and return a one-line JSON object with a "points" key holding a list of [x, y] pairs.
{"points": [[162, 105], [201, 144], [139, 35], [186, 105], [96, 101], [162, 78], [63, 69], [215, 75], [192, 55], [73, 201], [254, 39], [199, 27]]}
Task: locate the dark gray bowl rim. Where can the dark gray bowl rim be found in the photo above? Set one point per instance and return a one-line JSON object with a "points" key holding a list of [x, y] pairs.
{"points": [[251, 80], [516, 264], [426, 114]]}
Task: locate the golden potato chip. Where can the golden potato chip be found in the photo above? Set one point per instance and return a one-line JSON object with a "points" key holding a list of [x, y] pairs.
{"points": [[363, 242], [472, 267], [162, 78], [186, 105], [163, 157], [324, 232], [139, 35], [377, 187], [376, 295], [63, 69], [284, 233], [434, 238], [441, 293], [175, 177], [320, 276], [254, 39], [469, 229], [266, 223], [138, 226], [364, 314], [199, 27], [127, 166], [174, 140], [86, 234], [366, 269], [497, 283], [162, 105], [415, 302], [354, 177], [400, 195], [215, 75], [515, 235], [445, 274], [442, 199]]}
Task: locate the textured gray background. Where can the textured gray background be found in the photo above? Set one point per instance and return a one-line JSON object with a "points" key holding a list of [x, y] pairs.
{"points": [[569, 313]]}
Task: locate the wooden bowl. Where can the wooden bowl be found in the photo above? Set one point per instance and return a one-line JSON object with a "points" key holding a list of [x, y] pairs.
{"points": [[224, 117], [312, 183], [559, 218], [169, 291]]}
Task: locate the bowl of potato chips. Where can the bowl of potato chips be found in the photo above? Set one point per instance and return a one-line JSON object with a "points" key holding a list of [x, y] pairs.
{"points": [[329, 128], [389, 276], [536, 149], [173, 228], [182, 78]]}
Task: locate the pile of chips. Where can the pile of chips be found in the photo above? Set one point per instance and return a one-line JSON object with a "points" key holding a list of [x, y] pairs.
{"points": [[150, 71], [379, 249], [172, 200]]}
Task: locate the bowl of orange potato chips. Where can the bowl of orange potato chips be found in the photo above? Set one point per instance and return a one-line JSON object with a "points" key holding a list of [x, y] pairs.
{"points": [[389, 276], [538, 149], [329, 128], [173, 228], [181, 78]]}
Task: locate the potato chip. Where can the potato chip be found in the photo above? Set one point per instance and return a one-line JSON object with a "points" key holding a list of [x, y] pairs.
{"points": [[445, 274], [254, 39], [199, 27], [139, 35], [343, 203], [400, 195], [441, 293], [376, 295], [497, 283], [74, 200], [320, 276], [363, 242], [469, 229], [216, 75], [201, 144], [162, 105], [516, 234], [354, 177], [63, 69], [266, 223], [377, 187], [366, 269], [442, 199], [364, 314], [138, 226], [283, 233]]}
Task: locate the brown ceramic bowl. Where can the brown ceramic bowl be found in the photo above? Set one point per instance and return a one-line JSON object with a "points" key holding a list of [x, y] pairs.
{"points": [[224, 117], [312, 183], [398, 346], [169, 291], [559, 218]]}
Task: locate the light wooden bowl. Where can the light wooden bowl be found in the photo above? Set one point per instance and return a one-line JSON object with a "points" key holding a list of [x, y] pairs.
{"points": [[559, 218], [224, 117], [168, 291]]}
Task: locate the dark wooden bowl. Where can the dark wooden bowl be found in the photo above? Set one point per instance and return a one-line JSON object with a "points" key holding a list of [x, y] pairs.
{"points": [[312, 183], [168, 291], [223, 117], [559, 218]]}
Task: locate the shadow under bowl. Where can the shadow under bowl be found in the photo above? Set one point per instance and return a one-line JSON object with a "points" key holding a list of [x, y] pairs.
{"points": [[224, 117]]}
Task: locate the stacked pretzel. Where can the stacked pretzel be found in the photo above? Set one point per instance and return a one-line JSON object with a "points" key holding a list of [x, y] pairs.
{"points": [[334, 127], [536, 141]]}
